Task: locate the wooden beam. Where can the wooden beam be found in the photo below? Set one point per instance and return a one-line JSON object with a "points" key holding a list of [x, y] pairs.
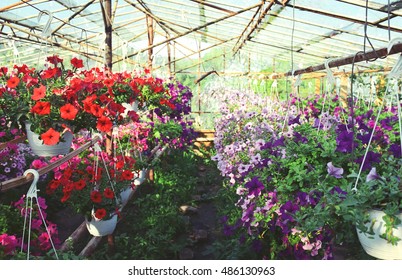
{"points": [[72, 16], [22, 180], [151, 35], [193, 29], [163, 23], [49, 41], [16, 4], [204, 49], [358, 57], [169, 56], [243, 38], [107, 13]]}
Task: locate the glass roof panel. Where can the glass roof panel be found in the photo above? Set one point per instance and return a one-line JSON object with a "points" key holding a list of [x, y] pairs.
{"points": [[307, 30]]}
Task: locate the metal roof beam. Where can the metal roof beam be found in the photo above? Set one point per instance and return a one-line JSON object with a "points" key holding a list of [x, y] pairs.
{"points": [[213, 6], [195, 29], [324, 13], [73, 16]]}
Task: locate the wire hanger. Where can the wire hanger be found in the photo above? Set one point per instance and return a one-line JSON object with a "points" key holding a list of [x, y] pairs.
{"points": [[31, 195]]}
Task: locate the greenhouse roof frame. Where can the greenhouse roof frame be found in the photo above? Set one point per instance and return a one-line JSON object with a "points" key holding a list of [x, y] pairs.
{"points": [[304, 33]]}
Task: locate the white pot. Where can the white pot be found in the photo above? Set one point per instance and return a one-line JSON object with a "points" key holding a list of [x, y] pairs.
{"points": [[376, 246], [41, 149], [125, 195], [102, 227], [139, 177]]}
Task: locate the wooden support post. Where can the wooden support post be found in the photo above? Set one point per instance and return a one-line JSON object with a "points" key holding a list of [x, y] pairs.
{"points": [[169, 56], [317, 88], [151, 34], [107, 12], [174, 56], [344, 90]]}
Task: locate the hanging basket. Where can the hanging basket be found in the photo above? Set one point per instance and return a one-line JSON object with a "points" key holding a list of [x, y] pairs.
{"points": [[140, 176], [376, 246], [125, 195], [40, 149], [102, 227]]}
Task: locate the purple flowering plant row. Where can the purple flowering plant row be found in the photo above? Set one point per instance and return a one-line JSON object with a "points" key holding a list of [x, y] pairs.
{"points": [[306, 172]]}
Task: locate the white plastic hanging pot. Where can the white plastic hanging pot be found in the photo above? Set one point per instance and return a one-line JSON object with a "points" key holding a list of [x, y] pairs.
{"points": [[102, 227], [125, 195], [376, 246], [40, 149], [140, 176]]}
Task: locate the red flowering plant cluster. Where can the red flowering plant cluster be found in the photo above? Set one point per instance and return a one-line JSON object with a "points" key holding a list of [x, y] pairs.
{"points": [[152, 93], [37, 96], [56, 99], [101, 95], [91, 182]]}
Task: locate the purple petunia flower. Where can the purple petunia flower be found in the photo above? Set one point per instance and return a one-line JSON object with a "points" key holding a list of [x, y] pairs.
{"points": [[339, 191], [334, 171], [371, 158], [254, 186], [395, 150], [373, 175], [344, 142]]}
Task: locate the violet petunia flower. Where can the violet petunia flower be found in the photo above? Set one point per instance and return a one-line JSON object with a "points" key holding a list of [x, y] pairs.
{"points": [[373, 175], [334, 171]]}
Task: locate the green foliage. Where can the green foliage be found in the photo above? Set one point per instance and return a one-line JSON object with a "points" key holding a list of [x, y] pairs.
{"points": [[153, 225]]}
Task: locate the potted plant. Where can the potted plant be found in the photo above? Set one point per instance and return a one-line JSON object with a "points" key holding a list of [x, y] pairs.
{"points": [[34, 98], [374, 202], [91, 184]]}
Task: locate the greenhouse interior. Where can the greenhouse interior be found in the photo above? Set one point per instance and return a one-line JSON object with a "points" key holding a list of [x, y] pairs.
{"points": [[221, 130]]}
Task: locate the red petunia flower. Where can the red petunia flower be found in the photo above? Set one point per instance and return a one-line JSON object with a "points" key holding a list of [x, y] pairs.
{"points": [[119, 164], [133, 116], [96, 110], [50, 137], [127, 175], [100, 213], [65, 197], [96, 196], [68, 112], [23, 69], [41, 108], [13, 82], [54, 184], [54, 59], [108, 193], [77, 63], [49, 73], [104, 124], [79, 185], [39, 93], [108, 82], [30, 81]]}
